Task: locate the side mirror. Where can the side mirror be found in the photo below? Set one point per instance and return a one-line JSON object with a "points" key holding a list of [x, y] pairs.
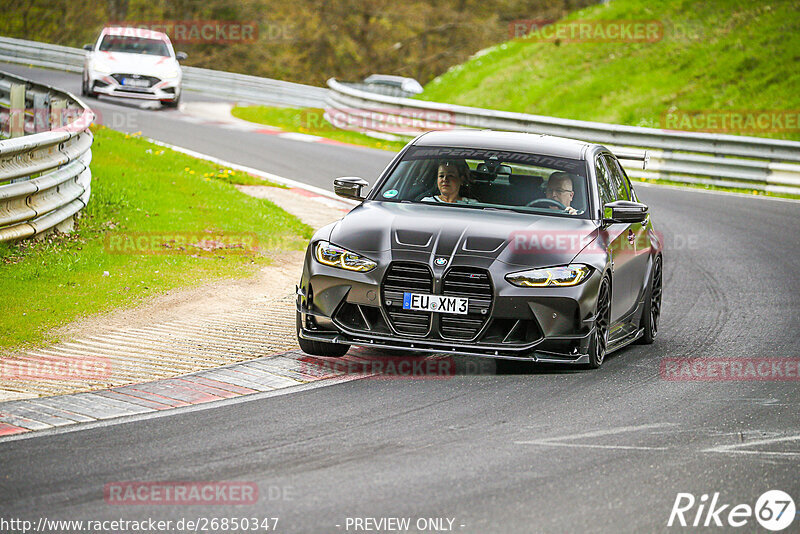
{"points": [[349, 187], [624, 211], [87, 47], [180, 56]]}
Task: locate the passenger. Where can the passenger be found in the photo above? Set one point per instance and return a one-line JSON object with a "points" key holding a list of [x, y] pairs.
{"points": [[452, 175], [560, 187]]}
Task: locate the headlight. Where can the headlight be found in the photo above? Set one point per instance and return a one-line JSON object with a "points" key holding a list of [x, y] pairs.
{"points": [[171, 72], [568, 275], [328, 254], [101, 67]]}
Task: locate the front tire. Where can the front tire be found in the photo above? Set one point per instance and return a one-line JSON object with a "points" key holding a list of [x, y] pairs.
{"points": [[320, 348], [651, 313], [85, 91], [598, 345]]}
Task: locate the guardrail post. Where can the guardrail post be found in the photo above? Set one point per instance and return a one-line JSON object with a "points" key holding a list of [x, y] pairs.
{"points": [[41, 112], [58, 115], [66, 226], [16, 110]]}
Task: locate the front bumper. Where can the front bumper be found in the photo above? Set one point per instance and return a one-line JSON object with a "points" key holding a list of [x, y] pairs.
{"points": [[530, 354], [531, 324], [165, 90]]}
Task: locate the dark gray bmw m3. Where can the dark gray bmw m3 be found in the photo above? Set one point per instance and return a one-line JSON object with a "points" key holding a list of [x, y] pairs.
{"points": [[506, 245]]}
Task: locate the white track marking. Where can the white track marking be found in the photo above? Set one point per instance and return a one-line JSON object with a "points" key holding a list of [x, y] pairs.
{"points": [[736, 448], [294, 136], [559, 441], [588, 446]]}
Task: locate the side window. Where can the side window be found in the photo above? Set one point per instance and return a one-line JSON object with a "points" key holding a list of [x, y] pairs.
{"points": [[620, 181], [603, 182], [627, 182]]}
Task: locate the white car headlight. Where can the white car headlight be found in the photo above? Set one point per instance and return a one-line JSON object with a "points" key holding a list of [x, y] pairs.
{"points": [[567, 275], [171, 72], [100, 66], [333, 256]]}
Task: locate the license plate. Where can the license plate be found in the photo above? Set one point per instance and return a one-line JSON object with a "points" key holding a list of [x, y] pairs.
{"points": [[435, 303], [132, 82]]}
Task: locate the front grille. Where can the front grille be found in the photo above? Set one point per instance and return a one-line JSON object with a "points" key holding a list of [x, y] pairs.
{"points": [[151, 79], [477, 287], [402, 277]]}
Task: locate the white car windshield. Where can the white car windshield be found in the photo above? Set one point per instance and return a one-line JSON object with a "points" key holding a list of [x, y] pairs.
{"points": [[134, 45], [483, 178]]}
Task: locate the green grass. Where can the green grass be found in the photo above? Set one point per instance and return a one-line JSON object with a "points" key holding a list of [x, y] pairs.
{"points": [[138, 188], [714, 55], [310, 121]]}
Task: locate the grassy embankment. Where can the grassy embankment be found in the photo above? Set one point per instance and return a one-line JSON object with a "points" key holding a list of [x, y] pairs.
{"points": [[157, 220], [734, 57], [711, 55], [719, 55]]}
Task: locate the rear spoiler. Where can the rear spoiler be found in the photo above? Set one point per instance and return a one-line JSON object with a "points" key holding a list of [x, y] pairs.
{"points": [[644, 157]]}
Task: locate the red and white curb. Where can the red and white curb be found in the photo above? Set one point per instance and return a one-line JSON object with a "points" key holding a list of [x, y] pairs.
{"points": [[266, 374], [289, 371]]}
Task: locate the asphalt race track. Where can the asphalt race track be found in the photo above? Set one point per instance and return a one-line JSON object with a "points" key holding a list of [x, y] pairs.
{"points": [[290, 159], [553, 450]]}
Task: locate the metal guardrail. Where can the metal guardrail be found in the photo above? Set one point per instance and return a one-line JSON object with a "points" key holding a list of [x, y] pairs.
{"points": [[211, 82], [44, 166], [688, 157]]}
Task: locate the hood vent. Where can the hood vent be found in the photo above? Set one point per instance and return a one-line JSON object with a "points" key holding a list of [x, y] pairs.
{"points": [[413, 238]]}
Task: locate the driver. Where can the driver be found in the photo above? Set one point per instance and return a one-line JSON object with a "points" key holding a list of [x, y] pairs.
{"points": [[450, 177], [560, 187]]}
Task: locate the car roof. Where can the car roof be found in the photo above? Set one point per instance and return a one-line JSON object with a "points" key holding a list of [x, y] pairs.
{"points": [[511, 141], [130, 31]]}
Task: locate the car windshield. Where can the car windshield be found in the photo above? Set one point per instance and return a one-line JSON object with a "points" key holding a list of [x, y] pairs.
{"points": [[134, 45], [489, 179]]}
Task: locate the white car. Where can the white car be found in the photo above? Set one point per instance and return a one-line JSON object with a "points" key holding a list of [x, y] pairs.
{"points": [[133, 63]]}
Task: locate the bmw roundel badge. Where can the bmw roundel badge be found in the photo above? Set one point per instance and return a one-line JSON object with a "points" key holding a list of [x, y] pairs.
{"points": [[440, 261]]}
